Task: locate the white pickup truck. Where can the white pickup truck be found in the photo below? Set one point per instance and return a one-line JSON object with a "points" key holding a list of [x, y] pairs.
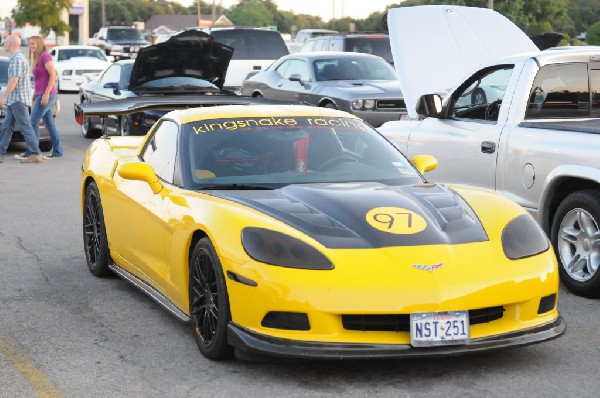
{"points": [[522, 122]]}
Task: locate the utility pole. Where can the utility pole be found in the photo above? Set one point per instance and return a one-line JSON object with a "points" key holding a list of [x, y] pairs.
{"points": [[214, 13], [103, 13], [199, 15], [491, 4]]}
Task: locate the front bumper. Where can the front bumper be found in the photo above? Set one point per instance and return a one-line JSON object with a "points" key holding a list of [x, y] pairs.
{"points": [[249, 344]]}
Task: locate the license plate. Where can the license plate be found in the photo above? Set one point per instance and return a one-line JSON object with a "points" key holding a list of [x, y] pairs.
{"points": [[439, 328]]}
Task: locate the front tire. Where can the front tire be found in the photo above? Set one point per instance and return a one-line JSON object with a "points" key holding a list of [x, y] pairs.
{"points": [[576, 239], [209, 302], [95, 243]]}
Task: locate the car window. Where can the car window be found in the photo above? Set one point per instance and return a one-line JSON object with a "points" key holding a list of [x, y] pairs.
{"points": [[288, 149], [125, 76], [559, 91], [161, 150], [595, 86], [370, 45], [367, 68], [282, 68], [3, 73], [321, 44], [252, 44], [308, 46], [111, 75], [296, 67], [124, 34], [481, 95], [64, 55]]}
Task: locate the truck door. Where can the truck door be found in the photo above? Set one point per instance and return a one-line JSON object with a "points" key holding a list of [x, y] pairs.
{"points": [[466, 141]]}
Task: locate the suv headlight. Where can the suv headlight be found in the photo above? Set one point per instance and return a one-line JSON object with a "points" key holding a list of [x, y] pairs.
{"points": [[523, 237], [275, 248], [369, 104]]}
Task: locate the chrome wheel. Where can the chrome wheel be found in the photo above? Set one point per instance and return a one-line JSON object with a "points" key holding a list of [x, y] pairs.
{"points": [[579, 245]]}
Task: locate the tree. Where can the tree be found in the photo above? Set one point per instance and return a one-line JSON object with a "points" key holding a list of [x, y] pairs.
{"points": [[43, 13], [252, 13], [593, 34]]}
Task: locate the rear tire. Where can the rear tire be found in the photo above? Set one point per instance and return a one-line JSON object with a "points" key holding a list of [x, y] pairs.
{"points": [[95, 243], [209, 302], [87, 128], [124, 126], [576, 240]]}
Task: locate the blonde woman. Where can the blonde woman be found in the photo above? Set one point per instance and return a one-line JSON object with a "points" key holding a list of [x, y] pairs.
{"points": [[45, 94]]}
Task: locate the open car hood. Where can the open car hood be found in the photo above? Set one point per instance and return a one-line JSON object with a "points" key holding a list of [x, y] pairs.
{"points": [[189, 54], [435, 47]]}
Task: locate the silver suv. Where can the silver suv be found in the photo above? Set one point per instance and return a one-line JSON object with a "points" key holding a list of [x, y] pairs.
{"points": [[370, 43]]}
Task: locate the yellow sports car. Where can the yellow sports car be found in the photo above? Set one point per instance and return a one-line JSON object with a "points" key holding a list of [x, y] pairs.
{"points": [[297, 231]]}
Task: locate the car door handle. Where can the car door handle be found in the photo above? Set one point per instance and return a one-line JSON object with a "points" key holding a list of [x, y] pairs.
{"points": [[488, 147], [256, 67]]}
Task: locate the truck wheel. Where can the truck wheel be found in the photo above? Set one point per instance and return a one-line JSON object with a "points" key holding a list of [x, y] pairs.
{"points": [[576, 239]]}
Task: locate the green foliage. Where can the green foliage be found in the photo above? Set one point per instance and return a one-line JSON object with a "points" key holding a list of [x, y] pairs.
{"points": [[252, 13], [43, 13], [593, 34], [583, 13]]}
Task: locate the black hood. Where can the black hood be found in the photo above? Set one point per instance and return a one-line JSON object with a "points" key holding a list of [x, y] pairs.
{"points": [[191, 53], [337, 214]]}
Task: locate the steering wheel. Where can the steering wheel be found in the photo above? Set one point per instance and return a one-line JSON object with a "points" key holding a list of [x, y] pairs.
{"points": [[337, 160], [492, 110]]}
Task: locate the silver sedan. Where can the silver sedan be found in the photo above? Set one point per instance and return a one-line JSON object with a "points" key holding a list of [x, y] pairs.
{"points": [[362, 84]]}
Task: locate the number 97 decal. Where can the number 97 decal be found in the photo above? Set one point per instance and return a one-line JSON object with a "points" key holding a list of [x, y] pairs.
{"points": [[396, 220]]}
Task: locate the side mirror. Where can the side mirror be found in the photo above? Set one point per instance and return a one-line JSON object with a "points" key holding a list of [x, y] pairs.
{"points": [[424, 163], [140, 171], [295, 77], [111, 85], [430, 105]]}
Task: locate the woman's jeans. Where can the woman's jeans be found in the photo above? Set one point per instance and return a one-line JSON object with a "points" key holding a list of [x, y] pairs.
{"points": [[44, 113]]}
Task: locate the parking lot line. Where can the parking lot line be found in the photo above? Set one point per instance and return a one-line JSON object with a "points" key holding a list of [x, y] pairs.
{"points": [[19, 361]]}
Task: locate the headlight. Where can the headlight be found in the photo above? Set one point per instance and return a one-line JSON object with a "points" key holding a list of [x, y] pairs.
{"points": [[523, 237], [369, 104], [276, 248], [116, 48], [357, 104], [67, 72]]}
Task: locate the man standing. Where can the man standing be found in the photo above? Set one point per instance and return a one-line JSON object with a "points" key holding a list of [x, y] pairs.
{"points": [[17, 99]]}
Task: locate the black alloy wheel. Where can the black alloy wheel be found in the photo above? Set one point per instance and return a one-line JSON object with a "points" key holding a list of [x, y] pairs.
{"points": [[209, 303], [95, 243]]}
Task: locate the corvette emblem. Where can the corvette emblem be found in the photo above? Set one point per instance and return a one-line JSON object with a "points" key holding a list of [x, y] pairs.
{"points": [[429, 268]]}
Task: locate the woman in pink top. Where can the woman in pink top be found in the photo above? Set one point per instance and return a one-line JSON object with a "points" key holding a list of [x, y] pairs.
{"points": [[45, 94]]}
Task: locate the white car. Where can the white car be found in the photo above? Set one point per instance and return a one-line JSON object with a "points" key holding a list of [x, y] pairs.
{"points": [[72, 62]]}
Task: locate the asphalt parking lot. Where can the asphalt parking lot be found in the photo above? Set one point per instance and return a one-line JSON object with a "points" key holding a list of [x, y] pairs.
{"points": [[65, 333]]}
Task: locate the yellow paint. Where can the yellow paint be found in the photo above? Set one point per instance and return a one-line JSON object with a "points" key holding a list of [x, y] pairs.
{"points": [[19, 361], [396, 220], [364, 281]]}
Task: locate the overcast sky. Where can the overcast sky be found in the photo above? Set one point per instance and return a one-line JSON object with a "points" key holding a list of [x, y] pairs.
{"points": [[358, 9]]}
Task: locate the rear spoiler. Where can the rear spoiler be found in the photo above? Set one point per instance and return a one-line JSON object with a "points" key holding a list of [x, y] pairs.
{"points": [[127, 106]]}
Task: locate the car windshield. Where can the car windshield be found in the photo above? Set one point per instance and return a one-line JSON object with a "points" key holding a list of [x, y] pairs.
{"points": [[370, 68], [64, 55], [124, 34], [4, 73], [273, 151], [178, 84]]}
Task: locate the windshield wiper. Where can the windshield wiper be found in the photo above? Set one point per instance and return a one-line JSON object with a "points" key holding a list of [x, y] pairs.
{"points": [[237, 186]]}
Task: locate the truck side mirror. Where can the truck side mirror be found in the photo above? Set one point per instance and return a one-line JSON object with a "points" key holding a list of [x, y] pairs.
{"points": [[430, 105]]}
